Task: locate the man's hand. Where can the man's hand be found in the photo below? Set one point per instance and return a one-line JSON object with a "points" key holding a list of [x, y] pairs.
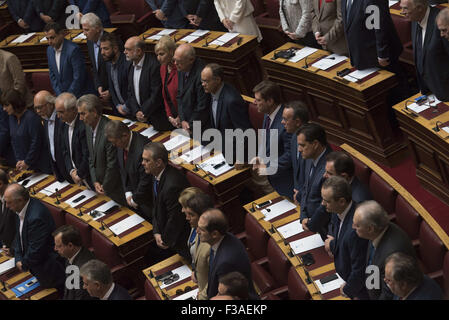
{"points": [[130, 203], [341, 290], [186, 126], [160, 15], [383, 62], [140, 116], [21, 165], [23, 24], [46, 18], [121, 110], [98, 188], [295, 194], [321, 40], [6, 250], [193, 277], [175, 122], [228, 24], [304, 224], [159, 241], [75, 177], [196, 21], [104, 95], [327, 245], [19, 265], [292, 35]]}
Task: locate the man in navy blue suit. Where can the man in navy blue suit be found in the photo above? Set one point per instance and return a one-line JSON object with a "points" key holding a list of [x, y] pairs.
{"points": [[33, 246], [171, 13], [342, 243], [268, 101], [66, 63], [22, 11], [313, 146], [228, 109], [341, 164], [203, 15], [227, 253], [96, 6]]}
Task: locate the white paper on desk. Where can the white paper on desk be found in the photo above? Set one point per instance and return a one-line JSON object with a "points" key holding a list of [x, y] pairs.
{"points": [[209, 164], [23, 37], [195, 153], [184, 273], [446, 129], [194, 35], [191, 294], [431, 97], [51, 189], [128, 122], [224, 38], [302, 53], [306, 244], [360, 74], [329, 61], [33, 179], [43, 39], [176, 142], [88, 195], [149, 132], [277, 209], [126, 224], [418, 108], [290, 229], [103, 208], [81, 36], [392, 3], [166, 32], [329, 286], [7, 265]]}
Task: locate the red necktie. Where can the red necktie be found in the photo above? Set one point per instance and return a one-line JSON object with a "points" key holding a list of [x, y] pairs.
{"points": [[125, 156], [319, 4]]}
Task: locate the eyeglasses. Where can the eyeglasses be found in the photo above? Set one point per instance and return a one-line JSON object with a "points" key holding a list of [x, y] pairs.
{"points": [[172, 278]]}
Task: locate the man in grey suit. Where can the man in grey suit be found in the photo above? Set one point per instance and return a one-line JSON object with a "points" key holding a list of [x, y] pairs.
{"points": [[103, 164], [371, 222]]}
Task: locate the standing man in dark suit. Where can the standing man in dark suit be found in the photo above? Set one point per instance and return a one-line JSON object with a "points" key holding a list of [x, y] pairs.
{"points": [[341, 164], [22, 11], [144, 86], [66, 63], [276, 165], [228, 110], [406, 280], [33, 245], [312, 144], [136, 183], [117, 69], [50, 11], [93, 30], [227, 253], [75, 151], [443, 23], [293, 117], [96, 6], [170, 228], [44, 105], [103, 164], [193, 102], [203, 15], [343, 244], [68, 244], [6, 151], [97, 279], [7, 217], [430, 49], [171, 13], [371, 222]]}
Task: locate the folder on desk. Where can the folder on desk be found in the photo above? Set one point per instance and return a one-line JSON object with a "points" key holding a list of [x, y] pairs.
{"points": [[329, 61], [176, 142], [228, 36], [306, 244], [183, 271], [23, 37], [360, 74], [216, 165], [195, 153], [302, 53], [165, 32], [80, 198], [188, 296], [149, 132], [7, 265], [290, 229], [126, 224], [81, 36], [277, 209], [51, 189], [194, 35], [329, 286], [33, 179], [100, 211], [26, 287]]}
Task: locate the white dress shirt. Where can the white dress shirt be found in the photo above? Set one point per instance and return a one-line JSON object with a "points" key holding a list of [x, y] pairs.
{"points": [[51, 134], [136, 80], [58, 56], [423, 25], [21, 215]]}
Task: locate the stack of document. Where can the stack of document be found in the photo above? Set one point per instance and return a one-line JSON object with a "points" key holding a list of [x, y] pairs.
{"points": [[191, 295], [290, 229], [301, 54], [7, 265], [100, 211], [81, 36], [149, 132], [195, 153], [183, 271], [80, 198], [426, 105], [35, 178], [225, 38], [392, 3], [329, 286], [23, 37], [360, 74], [194, 36], [329, 61], [51, 189], [43, 39], [126, 224], [129, 123], [165, 32], [306, 244], [277, 209], [176, 142], [216, 165]]}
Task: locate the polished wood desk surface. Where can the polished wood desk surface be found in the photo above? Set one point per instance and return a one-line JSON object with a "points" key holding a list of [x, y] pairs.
{"points": [[332, 74], [164, 266], [210, 36], [314, 273]]}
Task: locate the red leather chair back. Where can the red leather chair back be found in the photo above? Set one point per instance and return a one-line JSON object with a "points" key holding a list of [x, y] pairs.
{"points": [[407, 218], [259, 7], [196, 181], [255, 116], [278, 263], [382, 192], [137, 7], [41, 81], [446, 275], [83, 227], [273, 8], [105, 250], [150, 291], [431, 249], [256, 238], [57, 214], [362, 171], [297, 290]]}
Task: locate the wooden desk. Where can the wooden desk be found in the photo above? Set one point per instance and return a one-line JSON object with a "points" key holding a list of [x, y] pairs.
{"points": [[168, 293], [430, 149], [5, 16], [33, 52], [239, 60], [353, 113], [323, 265]]}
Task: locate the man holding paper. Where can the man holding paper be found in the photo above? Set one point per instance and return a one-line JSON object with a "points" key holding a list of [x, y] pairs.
{"points": [[343, 243]]}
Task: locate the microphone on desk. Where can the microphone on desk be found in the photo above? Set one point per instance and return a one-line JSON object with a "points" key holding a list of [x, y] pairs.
{"points": [[57, 196], [207, 42], [32, 191], [239, 41], [174, 38], [306, 65], [272, 229], [197, 167], [252, 207], [4, 286], [408, 111], [437, 128], [308, 279], [104, 226]]}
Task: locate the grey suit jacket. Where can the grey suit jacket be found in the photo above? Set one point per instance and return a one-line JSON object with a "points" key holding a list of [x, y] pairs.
{"points": [[103, 164]]}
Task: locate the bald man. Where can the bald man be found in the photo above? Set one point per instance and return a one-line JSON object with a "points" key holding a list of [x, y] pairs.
{"points": [[443, 23], [44, 105], [193, 102], [33, 245], [144, 86]]}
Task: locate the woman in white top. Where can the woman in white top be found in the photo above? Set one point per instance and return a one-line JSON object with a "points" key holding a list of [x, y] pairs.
{"points": [[296, 17], [237, 16]]}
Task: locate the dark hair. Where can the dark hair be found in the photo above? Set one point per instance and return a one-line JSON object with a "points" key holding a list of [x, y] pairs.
{"points": [[269, 90], [69, 234], [216, 221], [217, 70], [4, 177], [405, 269], [236, 285], [340, 188], [53, 26], [299, 110], [112, 38], [312, 132], [158, 151], [343, 163], [15, 99], [199, 203]]}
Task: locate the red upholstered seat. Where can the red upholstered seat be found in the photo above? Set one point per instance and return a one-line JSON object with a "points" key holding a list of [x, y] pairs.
{"points": [[431, 252], [407, 218], [150, 291], [382, 192], [83, 227], [197, 181], [255, 116], [41, 81], [446, 275], [57, 214], [294, 290], [362, 171], [273, 8], [259, 7], [256, 238], [105, 250], [112, 7]]}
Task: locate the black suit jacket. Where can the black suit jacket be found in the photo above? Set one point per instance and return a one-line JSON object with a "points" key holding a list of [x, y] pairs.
{"points": [[38, 255], [123, 69], [5, 139], [98, 67], [58, 166], [231, 256], [81, 258], [427, 290], [366, 45], [80, 152], [52, 8], [133, 174], [433, 77], [7, 225], [205, 9], [393, 240], [168, 219], [119, 293], [150, 91], [193, 102], [360, 192]]}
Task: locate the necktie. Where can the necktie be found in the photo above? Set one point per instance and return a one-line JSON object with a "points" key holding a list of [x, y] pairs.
{"points": [[312, 168], [319, 4], [1, 207], [267, 124], [125, 156], [419, 48], [371, 253], [211, 258], [155, 185]]}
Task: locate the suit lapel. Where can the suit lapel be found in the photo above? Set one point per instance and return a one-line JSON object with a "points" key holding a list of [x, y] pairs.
{"points": [[62, 59], [219, 108]]}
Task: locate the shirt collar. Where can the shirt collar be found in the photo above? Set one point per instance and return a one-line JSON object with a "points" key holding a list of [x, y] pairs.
{"points": [[98, 41], [216, 95], [53, 115], [21, 214], [129, 143], [140, 63], [274, 113], [74, 256], [158, 178], [108, 293], [379, 237], [315, 162], [60, 48], [72, 124], [423, 22], [343, 215], [217, 245]]}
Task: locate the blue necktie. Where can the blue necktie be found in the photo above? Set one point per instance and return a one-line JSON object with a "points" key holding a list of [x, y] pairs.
{"points": [[372, 250], [211, 258], [155, 185]]}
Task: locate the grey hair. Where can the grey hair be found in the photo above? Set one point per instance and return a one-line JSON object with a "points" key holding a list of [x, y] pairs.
{"points": [[95, 270], [92, 20], [69, 100], [443, 16], [93, 103], [373, 215]]}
